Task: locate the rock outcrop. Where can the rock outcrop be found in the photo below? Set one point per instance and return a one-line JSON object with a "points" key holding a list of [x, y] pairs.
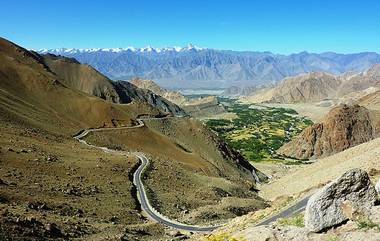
{"points": [[324, 208], [129, 92], [342, 128], [377, 186]]}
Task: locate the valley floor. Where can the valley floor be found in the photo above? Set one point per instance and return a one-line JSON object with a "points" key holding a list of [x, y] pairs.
{"points": [[290, 183]]}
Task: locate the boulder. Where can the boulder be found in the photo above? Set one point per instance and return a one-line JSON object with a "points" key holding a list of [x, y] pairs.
{"points": [[324, 208], [377, 186]]}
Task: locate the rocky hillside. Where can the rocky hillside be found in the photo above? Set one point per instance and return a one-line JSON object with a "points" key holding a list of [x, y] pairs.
{"points": [[53, 187], [173, 96], [198, 107], [344, 209], [358, 82], [371, 101], [129, 92], [81, 77], [192, 67], [314, 87], [85, 78], [32, 94], [305, 88], [342, 128]]}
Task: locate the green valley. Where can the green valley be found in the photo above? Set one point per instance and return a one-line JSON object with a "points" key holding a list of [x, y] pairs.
{"points": [[258, 131]]}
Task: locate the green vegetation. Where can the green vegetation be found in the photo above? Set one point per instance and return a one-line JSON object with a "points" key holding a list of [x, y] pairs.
{"points": [[366, 223], [222, 237], [296, 220], [258, 131], [333, 238]]}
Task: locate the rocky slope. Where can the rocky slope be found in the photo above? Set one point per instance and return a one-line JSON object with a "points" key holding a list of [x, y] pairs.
{"points": [[129, 92], [85, 78], [318, 86], [32, 93], [173, 96], [344, 209], [81, 77], [192, 67], [371, 101], [343, 127], [358, 82], [306, 88], [198, 107], [54, 188]]}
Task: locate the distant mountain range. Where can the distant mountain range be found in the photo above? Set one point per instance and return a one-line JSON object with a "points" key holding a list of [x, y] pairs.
{"points": [[194, 67], [119, 50]]}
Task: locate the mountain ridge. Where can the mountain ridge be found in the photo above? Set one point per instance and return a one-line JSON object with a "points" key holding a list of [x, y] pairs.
{"points": [[120, 49], [206, 68], [318, 86], [85, 78]]}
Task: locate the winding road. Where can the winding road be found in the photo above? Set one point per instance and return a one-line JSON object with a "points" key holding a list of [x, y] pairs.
{"points": [[143, 198], [137, 181]]}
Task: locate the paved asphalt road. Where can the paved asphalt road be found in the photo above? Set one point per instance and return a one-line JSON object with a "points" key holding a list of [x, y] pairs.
{"points": [[142, 197], [156, 216], [294, 209], [145, 205]]}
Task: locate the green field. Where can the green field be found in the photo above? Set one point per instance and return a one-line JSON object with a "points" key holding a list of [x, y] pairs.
{"points": [[258, 131]]}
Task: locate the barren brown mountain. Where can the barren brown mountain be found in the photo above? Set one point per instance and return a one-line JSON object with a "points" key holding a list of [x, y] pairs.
{"points": [[342, 128], [53, 187], [199, 107], [315, 87], [82, 77], [371, 101], [359, 82], [305, 88], [85, 78]]}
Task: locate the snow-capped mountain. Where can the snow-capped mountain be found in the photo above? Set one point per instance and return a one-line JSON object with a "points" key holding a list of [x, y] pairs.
{"points": [[62, 51], [194, 67]]}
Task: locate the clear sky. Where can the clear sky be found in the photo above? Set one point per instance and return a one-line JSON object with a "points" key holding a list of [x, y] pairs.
{"points": [[282, 26]]}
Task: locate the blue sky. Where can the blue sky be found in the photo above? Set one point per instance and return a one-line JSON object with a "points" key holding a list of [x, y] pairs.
{"points": [[281, 26]]}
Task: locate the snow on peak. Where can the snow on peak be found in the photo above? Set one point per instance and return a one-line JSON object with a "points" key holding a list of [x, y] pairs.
{"points": [[148, 49], [191, 47]]}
